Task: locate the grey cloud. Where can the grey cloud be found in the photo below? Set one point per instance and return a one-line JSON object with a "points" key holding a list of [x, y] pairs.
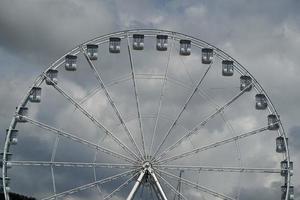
{"points": [[294, 134], [44, 30], [262, 35]]}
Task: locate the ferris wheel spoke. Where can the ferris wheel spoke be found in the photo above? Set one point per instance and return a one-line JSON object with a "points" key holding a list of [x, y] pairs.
{"points": [[72, 164], [109, 196], [78, 139], [112, 103], [52, 159], [169, 185], [219, 169], [183, 108], [97, 89], [136, 95], [89, 185], [197, 186], [213, 145], [162, 91], [202, 123], [157, 185], [154, 190], [93, 119]]}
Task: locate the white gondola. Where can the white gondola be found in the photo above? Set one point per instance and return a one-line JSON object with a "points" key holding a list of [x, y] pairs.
{"points": [[70, 62], [280, 146], [35, 95], [13, 139], [245, 83], [273, 122], [285, 169], [185, 47], [227, 67], [114, 45], [138, 42], [284, 191], [92, 51], [162, 42], [7, 183], [22, 112], [51, 77], [207, 55], [261, 102]]}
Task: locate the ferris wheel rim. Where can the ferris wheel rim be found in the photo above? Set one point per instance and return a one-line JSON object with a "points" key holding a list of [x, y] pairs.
{"points": [[101, 39]]}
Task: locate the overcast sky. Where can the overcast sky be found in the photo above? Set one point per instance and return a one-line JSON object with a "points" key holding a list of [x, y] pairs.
{"points": [[264, 36]]}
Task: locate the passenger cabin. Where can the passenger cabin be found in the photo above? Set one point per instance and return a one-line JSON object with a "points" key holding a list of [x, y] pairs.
{"points": [[35, 95], [273, 122], [261, 102], [92, 51], [185, 47], [114, 45], [280, 146], [227, 67], [284, 190], [285, 169], [13, 139], [138, 42], [162, 42], [246, 83], [22, 112], [70, 62], [51, 77], [207, 55], [7, 183]]}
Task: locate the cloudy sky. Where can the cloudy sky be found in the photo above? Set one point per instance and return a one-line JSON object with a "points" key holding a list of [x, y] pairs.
{"points": [[264, 36]]}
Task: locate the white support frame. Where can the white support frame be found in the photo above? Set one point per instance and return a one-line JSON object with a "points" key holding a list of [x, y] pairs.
{"points": [[136, 160]]}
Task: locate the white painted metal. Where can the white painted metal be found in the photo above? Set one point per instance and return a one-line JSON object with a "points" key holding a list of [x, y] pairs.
{"points": [[155, 167], [136, 185]]}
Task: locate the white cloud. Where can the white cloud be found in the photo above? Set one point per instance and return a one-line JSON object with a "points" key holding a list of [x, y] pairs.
{"points": [[260, 35]]}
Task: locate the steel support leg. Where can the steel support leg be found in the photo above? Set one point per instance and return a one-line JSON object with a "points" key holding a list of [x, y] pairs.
{"points": [[162, 193], [136, 185]]}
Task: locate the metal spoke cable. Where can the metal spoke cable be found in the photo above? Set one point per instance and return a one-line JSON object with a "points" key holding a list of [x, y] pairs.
{"points": [[219, 169], [121, 79], [94, 168], [112, 103], [72, 164], [109, 196], [178, 188], [162, 91], [52, 159], [89, 185], [78, 139], [238, 152], [151, 192], [95, 121], [158, 185], [201, 124], [142, 192], [155, 191], [198, 187], [213, 145], [95, 90], [169, 185], [182, 109], [186, 69], [136, 95]]}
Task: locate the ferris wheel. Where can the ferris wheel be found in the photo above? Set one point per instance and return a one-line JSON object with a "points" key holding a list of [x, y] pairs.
{"points": [[146, 114]]}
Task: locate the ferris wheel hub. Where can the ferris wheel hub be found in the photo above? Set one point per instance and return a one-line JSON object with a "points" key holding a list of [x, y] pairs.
{"points": [[147, 165]]}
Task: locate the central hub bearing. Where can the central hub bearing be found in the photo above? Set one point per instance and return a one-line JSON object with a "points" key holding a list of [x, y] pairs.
{"points": [[147, 165]]}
